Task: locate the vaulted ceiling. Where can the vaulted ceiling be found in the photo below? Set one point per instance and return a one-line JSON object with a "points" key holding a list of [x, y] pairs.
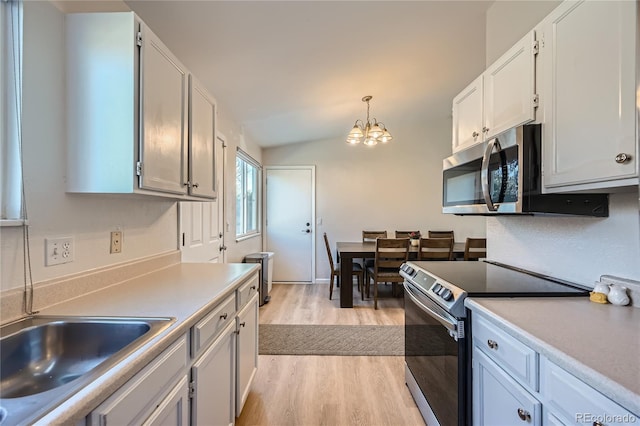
{"points": [[294, 71]]}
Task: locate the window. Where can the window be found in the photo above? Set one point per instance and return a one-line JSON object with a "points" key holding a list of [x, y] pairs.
{"points": [[11, 199], [247, 196]]}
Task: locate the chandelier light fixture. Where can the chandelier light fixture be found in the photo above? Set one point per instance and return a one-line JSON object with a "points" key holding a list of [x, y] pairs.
{"points": [[370, 133]]}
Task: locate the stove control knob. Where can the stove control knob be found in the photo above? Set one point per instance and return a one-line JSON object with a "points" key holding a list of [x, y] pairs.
{"points": [[446, 294], [436, 288], [409, 270]]}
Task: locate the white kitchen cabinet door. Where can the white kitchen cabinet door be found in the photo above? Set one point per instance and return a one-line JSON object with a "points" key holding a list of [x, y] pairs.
{"points": [[247, 361], [163, 142], [572, 399], [142, 395], [509, 97], [202, 136], [174, 410], [589, 95], [214, 377], [498, 399], [467, 116]]}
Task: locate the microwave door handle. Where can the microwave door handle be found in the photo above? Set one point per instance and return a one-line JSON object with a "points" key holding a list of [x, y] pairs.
{"points": [[484, 172]]}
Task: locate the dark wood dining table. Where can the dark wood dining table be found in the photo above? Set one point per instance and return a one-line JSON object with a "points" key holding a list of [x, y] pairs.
{"points": [[347, 251]]}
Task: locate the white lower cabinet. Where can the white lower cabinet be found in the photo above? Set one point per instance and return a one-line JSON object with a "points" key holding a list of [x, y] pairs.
{"points": [[213, 378], [513, 384], [225, 350], [498, 399], [147, 397], [174, 410], [202, 379], [574, 402], [247, 360]]}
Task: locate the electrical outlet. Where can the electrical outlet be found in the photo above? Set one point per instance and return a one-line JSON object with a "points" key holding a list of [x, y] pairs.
{"points": [[58, 250], [116, 242]]}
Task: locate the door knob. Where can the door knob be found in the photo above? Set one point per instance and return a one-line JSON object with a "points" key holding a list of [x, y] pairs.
{"points": [[307, 224]]}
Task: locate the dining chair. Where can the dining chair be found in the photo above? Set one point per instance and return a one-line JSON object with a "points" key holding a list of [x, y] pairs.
{"points": [[390, 254], [335, 271], [475, 248], [370, 236], [441, 234], [435, 249], [406, 234]]}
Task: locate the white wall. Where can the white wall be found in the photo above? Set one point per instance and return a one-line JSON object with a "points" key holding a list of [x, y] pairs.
{"points": [[394, 187], [509, 21], [149, 224], [236, 250], [575, 249]]}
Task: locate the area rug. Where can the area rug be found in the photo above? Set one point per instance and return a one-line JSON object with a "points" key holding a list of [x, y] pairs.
{"points": [[341, 340]]}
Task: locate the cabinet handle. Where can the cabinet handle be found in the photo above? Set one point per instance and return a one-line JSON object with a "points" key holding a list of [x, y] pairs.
{"points": [[223, 316], [623, 158], [242, 324], [492, 344], [524, 415], [195, 185], [475, 134], [485, 129], [253, 287]]}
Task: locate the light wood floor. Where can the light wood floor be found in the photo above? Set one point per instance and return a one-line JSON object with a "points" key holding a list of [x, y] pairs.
{"points": [[328, 390]]}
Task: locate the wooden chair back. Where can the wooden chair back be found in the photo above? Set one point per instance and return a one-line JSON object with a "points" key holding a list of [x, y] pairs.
{"points": [[441, 234], [372, 235], [390, 254], [405, 234], [475, 248], [329, 255], [435, 249]]}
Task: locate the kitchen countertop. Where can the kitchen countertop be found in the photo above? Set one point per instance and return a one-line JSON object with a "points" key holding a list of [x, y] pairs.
{"points": [[599, 344], [185, 292]]}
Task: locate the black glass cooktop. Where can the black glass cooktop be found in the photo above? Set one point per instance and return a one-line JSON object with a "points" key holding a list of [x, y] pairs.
{"points": [[491, 279]]}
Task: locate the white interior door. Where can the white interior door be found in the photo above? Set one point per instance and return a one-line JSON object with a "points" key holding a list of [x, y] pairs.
{"points": [[202, 223], [289, 222]]}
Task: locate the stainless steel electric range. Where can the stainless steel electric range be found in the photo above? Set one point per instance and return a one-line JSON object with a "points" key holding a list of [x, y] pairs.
{"points": [[438, 329]]}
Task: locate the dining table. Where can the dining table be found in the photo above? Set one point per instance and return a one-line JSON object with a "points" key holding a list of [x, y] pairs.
{"points": [[348, 250]]}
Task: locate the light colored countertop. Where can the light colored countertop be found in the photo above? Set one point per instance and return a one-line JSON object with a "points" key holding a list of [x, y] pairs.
{"points": [[185, 292], [599, 344]]}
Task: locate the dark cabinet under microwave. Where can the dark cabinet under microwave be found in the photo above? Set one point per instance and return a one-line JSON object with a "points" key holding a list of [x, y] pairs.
{"points": [[503, 176]]}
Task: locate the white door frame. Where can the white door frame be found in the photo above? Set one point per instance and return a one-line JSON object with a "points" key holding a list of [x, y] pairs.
{"points": [[222, 192], [312, 168]]}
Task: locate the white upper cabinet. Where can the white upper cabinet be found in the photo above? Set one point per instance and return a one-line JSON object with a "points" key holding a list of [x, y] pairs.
{"points": [[163, 140], [509, 88], [589, 95], [202, 134], [467, 116], [128, 113], [501, 98]]}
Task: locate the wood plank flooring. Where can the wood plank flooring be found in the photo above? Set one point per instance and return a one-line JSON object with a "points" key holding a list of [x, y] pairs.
{"points": [[310, 304], [329, 390]]}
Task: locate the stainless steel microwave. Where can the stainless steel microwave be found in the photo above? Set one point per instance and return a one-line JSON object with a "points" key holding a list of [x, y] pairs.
{"points": [[503, 176]]}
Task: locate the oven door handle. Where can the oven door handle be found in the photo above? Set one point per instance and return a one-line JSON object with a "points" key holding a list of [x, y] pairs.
{"points": [[442, 319], [484, 172]]}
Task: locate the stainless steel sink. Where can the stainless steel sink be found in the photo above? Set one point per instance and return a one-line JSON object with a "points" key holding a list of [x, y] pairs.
{"points": [[44, 360]]}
